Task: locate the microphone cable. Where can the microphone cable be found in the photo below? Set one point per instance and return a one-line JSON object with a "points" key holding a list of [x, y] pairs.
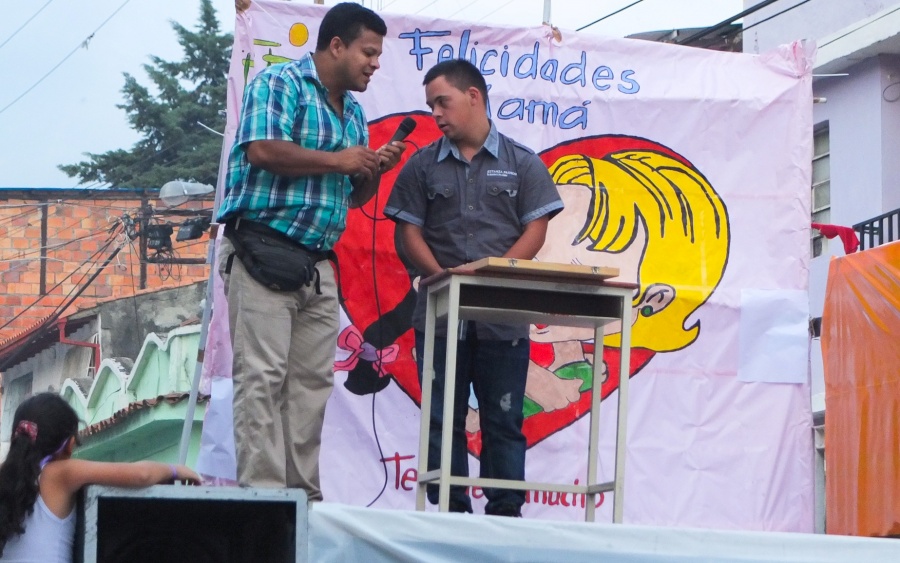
{"points": [[373, 217]]}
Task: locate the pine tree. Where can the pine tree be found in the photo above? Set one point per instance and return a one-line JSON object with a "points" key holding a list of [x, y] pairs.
{"points": [[174, 146]]}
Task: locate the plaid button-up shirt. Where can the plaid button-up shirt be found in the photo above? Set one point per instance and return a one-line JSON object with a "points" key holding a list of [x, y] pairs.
{"points": [[288, 102]]}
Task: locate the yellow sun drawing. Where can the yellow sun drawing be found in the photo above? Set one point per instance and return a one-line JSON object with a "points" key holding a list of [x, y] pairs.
{"points": [[298, 35]]}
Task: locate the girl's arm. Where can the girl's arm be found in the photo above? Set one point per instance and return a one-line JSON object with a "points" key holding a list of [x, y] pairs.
{"points": [[61, 479], [76, 473]]}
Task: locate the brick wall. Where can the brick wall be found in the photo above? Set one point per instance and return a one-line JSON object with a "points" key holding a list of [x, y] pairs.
{"points": [[72, 227]]}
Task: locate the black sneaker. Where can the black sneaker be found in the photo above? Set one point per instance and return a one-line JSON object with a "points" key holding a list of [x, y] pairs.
{"points": [[505, 509], [459, 506]]}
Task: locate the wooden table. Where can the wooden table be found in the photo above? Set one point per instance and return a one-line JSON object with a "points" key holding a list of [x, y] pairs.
{"points": [[521, 292]]}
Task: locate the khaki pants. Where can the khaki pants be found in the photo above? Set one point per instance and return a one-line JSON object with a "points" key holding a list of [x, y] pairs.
{"points": [[283, 371]]}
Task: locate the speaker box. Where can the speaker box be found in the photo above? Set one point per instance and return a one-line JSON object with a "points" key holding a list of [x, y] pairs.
{"points": [[175, 523]]}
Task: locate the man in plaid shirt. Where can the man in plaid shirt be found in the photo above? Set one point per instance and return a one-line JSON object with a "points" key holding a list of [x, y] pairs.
{"points": [[300, 159]]}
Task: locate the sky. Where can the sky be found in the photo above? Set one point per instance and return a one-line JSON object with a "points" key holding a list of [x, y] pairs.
{"points": [[59, 90]]}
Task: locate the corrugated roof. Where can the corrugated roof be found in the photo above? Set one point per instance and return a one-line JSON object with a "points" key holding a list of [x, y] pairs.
{"points": [[132, 408]]}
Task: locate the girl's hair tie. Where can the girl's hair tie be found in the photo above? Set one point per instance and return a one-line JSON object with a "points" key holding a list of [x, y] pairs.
{"points": [[27, 428], [49, 458]]}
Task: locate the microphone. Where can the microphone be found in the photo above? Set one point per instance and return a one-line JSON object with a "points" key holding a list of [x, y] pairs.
{"points": [[403, 130]]}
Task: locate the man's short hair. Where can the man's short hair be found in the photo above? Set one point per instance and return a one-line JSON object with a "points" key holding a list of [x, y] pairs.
{"points": [[461, 74], [346, 21]]}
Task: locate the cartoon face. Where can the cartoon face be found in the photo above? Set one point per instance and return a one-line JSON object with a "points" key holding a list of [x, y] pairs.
{"points": [[565, 244]]}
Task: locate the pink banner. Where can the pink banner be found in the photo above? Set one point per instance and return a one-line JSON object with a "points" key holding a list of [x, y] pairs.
{"points": [[687, 169]]}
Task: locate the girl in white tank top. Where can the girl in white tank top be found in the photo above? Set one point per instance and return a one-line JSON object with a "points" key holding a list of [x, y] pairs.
{"points": [[39, 481]]}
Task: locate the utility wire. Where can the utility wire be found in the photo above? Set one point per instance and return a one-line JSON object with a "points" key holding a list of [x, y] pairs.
{"points": [[609, 15], [725, 23], [60, 63], [13, 205], [210, 129], [461, 9], [11, 229], [423, 7], [14, 33], [495, 11], [839, 37], [21, 257], [64, 229], [10, 218], [153, 157], [92, 259], [70, 298], [743, 29], [149, 159]]}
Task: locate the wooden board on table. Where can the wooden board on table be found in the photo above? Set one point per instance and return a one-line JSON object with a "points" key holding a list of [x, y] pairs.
{"points": [[550, 270]]}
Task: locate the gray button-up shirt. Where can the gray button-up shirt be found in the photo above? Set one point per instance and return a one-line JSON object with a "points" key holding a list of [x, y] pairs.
{"points": [[472, 210]]}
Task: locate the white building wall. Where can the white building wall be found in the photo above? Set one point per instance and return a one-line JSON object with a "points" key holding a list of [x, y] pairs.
{"points": [[890, 131], [853, 112]]}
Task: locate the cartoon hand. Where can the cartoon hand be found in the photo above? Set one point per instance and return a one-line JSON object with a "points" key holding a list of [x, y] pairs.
{"points": [[604, 373], [548, 390], [567, 351]]}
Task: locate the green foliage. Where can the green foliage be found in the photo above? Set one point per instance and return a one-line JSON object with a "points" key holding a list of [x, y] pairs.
{"points": [[173, 145]]}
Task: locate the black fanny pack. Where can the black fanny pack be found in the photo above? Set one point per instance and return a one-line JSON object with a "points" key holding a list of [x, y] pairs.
{"points": [[271, 258]]}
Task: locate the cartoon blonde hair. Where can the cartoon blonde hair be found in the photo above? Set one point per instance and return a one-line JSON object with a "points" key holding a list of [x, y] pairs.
{"points": [[687, 233]]}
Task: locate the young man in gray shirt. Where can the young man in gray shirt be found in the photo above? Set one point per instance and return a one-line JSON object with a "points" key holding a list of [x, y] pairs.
{"points": [[474, 193]]}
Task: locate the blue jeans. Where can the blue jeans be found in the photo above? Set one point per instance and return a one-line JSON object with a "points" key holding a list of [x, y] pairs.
{"points": [[497, 370]]}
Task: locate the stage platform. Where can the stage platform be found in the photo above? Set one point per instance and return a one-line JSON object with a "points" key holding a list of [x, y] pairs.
{"points": [[343, 533], [234, 525]]}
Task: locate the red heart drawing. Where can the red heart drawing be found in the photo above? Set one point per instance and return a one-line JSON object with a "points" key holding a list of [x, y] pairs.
{"points": [[370, 267]]}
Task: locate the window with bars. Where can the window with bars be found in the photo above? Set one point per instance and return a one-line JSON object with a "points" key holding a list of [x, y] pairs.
{"points": [[821, 189]]}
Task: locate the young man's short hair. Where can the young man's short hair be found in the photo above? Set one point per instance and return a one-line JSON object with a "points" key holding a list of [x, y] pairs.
{"points": [[461, 74], [346, 21]]}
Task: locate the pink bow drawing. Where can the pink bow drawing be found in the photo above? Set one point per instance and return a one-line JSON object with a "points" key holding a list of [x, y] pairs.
{"points": [[352, 341]]}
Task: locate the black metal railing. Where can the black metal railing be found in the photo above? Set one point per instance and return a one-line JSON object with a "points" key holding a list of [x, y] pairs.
{"points": [[879, 230]]}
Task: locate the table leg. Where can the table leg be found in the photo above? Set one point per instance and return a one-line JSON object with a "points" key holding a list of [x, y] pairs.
{"points": [[622, 422], [449, 396], [425, 403], [594, 432]]}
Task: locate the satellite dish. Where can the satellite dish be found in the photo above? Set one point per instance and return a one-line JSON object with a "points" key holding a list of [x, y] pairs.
{"points": [[177, 192]]}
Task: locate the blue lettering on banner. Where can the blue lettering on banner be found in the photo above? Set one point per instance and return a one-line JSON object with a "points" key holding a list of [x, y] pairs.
{"points": [[418, 51], [530, 65]]}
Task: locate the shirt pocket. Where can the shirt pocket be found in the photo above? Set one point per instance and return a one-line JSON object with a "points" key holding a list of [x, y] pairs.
{"points": [[502, 201], [443, 204], [506, 189]]}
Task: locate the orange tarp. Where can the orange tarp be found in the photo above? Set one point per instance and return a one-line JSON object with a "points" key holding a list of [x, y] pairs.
{"points": [[861, 352]]}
